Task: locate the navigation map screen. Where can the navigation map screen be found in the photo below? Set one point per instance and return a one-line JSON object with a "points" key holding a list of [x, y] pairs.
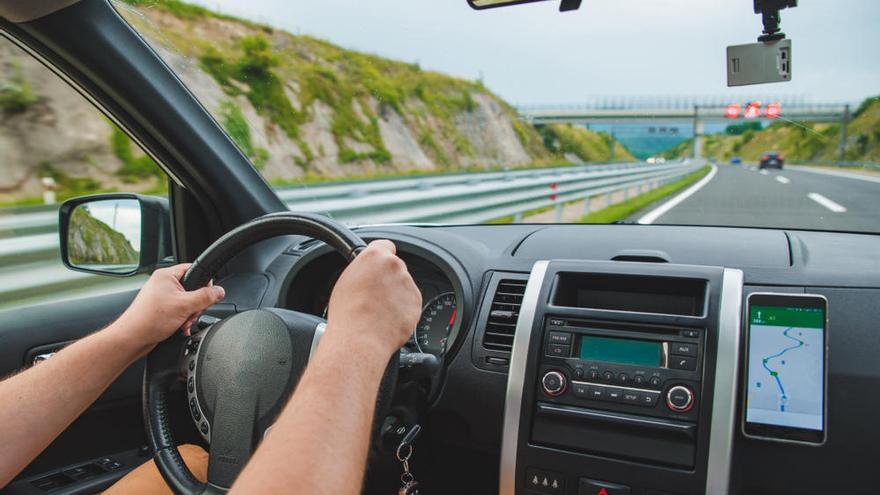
{"points": [[786, 368]]}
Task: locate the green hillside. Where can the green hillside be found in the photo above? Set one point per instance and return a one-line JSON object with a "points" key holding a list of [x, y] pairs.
{"points": [[587, 145], [798, 141], [93, 242]]}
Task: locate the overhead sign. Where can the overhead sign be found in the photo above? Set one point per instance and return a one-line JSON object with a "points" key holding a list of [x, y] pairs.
{"points": [[753, 110], [732, 111]]}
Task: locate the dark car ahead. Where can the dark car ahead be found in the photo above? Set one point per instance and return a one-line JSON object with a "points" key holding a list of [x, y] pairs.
{"points": [[771, 159]]}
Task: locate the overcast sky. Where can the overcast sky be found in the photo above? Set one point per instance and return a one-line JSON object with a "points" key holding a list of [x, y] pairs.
{"points": [[532, 54]]}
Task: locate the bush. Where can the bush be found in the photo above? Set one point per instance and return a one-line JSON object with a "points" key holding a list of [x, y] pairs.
{"points": [[16, 94], [134, 168]]}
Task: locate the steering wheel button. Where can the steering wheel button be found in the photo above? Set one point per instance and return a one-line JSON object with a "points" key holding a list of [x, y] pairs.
{"points": [[194, 409], [204, 427], [191, 384], [192, 364]]}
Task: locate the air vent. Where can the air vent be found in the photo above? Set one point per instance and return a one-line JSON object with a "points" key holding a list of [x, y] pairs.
{"points": [[501, 324]]}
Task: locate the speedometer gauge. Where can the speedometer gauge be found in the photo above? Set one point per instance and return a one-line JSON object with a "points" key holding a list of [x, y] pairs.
{"points": [[438, 318]]}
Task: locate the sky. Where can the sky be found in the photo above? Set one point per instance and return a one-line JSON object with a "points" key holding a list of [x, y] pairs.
{"points": [[533, 54]]}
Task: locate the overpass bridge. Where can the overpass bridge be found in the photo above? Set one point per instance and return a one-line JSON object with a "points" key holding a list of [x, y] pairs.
{"points": [[687, 110]]}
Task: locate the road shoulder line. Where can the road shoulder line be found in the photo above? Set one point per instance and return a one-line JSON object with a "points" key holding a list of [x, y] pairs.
{"points": [[837, 173], [661, 210]]}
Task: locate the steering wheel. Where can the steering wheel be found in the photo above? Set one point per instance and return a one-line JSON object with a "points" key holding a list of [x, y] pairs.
{"points": [[241, 370]]}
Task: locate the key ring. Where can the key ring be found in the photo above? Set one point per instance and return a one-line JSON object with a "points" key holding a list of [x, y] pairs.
{"points": [[407, 478], [400, 448]]}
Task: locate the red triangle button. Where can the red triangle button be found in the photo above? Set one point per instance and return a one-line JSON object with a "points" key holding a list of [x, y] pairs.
{"points": [[602, 492]]}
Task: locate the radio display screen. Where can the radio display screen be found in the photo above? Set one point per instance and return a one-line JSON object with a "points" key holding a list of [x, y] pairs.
{"points": [[622, 351]]}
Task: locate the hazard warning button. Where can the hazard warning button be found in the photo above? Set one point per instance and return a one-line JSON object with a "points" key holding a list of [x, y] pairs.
{"points": [[596, 487]]}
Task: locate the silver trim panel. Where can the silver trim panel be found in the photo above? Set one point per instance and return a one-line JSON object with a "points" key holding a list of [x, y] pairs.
{"points": [[319, 332], [723, 423], [516, 377]]}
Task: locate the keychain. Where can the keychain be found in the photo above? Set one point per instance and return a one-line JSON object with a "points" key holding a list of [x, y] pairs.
{"points": [[404, 452]]}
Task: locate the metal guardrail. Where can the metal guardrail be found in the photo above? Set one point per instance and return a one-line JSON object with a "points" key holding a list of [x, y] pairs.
{"points": [[29, 258]]}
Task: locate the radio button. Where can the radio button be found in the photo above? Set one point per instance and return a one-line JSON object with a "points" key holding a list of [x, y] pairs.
{"points": [[579, 373], [630, 397], [608, 375], [623, 378], [682, 348], [649, 399], [597, 393], [694, 334], [680, 399], [559, 338], [580, 390], [614, 394], [655, 381], [558, 350], [556, 322], [682, 363], [594, 374], [639, 379], [553, 383]]}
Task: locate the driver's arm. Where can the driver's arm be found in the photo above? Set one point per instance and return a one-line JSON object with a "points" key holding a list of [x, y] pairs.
{"points": [[319, 443], [38, 404]]}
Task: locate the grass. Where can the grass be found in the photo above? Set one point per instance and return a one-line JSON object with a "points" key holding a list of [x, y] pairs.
{"points": [[134, 168], [626, 209]]}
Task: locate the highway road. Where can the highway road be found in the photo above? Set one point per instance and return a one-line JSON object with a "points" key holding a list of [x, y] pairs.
{"points": [[796, 197]]}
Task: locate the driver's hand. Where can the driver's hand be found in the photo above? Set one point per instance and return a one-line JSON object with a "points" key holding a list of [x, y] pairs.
{"points": [[375, 300], [162, 306]]}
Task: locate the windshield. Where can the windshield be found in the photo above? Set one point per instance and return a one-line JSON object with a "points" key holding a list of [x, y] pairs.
{"points": [[431, 112]]}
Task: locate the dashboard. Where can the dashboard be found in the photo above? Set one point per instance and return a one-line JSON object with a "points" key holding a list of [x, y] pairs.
{"points": [[614, 357], [309, 288]]}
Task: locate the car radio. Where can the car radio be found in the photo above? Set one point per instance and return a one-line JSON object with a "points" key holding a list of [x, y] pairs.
{"points": [[637, 369]]}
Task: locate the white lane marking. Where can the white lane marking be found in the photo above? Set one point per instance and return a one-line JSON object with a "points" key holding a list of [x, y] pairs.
{"points": [[661, 210], [764, 172], [827, 203], [783, 180], [839, 173]]}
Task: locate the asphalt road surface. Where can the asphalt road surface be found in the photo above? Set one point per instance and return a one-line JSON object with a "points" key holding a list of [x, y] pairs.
{"points": [[790, 198]]}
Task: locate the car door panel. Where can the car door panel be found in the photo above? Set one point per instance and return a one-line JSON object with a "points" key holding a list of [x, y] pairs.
{"points": [[114, 422]]}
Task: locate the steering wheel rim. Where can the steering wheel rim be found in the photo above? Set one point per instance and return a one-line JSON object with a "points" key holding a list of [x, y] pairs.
{"points": [[163, 362]]}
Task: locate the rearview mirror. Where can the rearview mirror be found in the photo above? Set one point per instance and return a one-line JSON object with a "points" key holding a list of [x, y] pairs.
{"points": [[491, 4], [115, 234]]}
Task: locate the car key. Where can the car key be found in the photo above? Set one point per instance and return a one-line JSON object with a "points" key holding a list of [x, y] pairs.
{"points": [[403, 453]]}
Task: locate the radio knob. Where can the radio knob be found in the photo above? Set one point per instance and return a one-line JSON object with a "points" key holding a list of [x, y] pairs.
{"points": [[680, 399], [553, 383]]}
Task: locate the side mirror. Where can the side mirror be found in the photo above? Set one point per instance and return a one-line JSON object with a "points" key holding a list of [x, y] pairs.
{"points": [[116, 234]]}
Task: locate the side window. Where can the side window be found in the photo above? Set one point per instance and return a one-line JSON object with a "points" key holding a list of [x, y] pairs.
{"points": [[55, 145]]}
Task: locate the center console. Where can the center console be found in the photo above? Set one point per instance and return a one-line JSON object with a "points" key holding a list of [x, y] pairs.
{"points": [[621, 374]]}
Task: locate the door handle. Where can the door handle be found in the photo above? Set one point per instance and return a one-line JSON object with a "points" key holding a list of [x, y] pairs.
{"points": [[39, 358]]}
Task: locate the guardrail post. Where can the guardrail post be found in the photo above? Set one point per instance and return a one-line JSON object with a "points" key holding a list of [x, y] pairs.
{"points": [[608, 198], [587, 199], [558, 212], [518, 218]]}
